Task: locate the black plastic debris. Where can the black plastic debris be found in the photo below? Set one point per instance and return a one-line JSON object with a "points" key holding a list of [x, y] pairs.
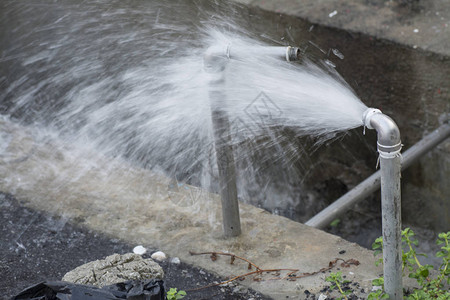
{"points": [[152, 289]]}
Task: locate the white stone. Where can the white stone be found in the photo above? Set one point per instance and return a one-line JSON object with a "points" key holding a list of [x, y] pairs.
{"points": [[322, 297], [139, 250], [175, 260], [332, 14], [159, 256]]}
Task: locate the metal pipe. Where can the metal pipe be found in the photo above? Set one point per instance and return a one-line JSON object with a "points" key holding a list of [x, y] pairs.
{"points": [[372, 183], [389, 147], [215, 61], [391, 225], [287, 53], [216, 58]]}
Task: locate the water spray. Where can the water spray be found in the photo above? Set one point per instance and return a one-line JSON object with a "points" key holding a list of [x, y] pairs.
{"points": [[389, 147], [215, 61]]}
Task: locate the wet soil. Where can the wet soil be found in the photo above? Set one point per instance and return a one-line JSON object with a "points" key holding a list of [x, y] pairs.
{"points": [[36, 247]]}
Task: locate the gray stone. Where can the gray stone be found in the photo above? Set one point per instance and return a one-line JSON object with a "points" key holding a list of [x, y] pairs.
{"points": [[115, 268]]}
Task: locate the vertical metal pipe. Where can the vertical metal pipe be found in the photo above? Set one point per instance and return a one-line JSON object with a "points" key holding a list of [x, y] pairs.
{"points": [[389, 147], [215, 63], [215, 60], [391, 222], [227, 174]]}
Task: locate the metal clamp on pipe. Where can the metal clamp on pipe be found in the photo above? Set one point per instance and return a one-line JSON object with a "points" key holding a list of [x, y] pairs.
{"points": [[389, 147]]}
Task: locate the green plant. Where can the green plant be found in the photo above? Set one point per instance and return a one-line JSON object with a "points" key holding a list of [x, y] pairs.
{"points": [[378, 294], [378, 247], [429, 287], [173, 294], [335, 222], [336, 279]]}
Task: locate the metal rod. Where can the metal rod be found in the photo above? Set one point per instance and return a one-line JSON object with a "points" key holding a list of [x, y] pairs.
{"points": [[372, 183]]}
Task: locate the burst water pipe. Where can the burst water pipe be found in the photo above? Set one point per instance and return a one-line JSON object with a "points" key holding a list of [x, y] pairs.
{"points": [[389, 147], [215, 61]]}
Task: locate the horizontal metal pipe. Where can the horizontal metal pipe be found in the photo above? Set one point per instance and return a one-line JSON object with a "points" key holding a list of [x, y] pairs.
{"points": [[372, 183], [216, 57], [287, 53]]}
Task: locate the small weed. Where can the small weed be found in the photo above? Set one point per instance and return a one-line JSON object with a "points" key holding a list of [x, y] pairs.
{"points": [[430, 288], [173, 294], [337, 282]]}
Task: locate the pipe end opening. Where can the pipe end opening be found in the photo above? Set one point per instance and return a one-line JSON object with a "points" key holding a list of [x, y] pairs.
{"points": [[292, 53], [367, 116]]}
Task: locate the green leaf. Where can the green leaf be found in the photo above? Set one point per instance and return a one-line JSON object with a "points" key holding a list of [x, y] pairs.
{"points": [[442, 235], [424, 273], [440, 254], [378, 282], [335, 222], [378, 262]]}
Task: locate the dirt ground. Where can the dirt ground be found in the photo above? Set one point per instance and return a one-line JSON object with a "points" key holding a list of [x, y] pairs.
{"points": [[35, 247]]}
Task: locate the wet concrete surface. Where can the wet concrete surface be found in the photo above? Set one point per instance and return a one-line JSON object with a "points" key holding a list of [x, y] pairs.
{"points": [[418, 23], [37, 247], [113, 198]]}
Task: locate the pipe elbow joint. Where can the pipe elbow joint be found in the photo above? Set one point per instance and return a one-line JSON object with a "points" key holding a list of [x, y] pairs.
{"points": [[387, 130], [215, 59]]}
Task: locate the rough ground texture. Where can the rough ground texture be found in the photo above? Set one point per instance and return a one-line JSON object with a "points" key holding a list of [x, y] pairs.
{"points": [[36, 247]]}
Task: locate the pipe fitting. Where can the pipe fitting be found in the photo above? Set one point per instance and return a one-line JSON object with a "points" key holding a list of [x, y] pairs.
{"points": [[216, 58], [292, 53], [367, 115], [389, 143]]}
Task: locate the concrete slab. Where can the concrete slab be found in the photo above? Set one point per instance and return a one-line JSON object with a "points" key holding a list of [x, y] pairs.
{"points": [[419, 24], [138, 206]]}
